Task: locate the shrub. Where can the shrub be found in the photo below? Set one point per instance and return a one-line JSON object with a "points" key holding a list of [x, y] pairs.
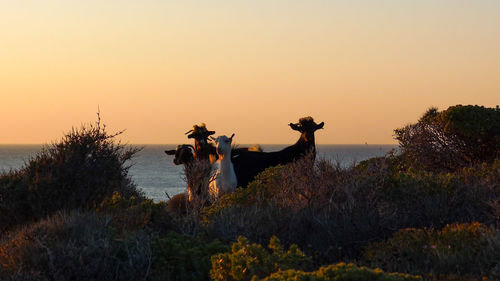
{"points": [[330, 212], [248, 260], [340, 272], [181, 257], [79, 171], [458, 249], [130, 214], [451, 139], [259, 190], [76, 246], [425, 199], [252, 262]]}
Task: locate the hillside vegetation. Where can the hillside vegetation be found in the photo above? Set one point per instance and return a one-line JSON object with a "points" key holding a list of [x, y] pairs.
{"points": [[428, 211]]}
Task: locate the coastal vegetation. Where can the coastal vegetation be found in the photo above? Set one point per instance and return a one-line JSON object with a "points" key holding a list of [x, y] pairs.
{"points": [[429, 210]]}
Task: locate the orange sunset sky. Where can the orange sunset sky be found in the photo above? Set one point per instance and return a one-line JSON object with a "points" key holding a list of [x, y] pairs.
{"points": [[155, 68]]}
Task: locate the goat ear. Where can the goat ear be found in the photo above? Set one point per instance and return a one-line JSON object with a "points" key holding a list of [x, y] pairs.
{"points": [[295, 127], [320, 126], [170, 152], [209, 133]]}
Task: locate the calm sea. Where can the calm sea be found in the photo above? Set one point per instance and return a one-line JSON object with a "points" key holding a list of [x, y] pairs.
{"points": [[153, 171]]}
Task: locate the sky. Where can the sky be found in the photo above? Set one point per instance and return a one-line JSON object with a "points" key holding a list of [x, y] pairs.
{"points": [[155, 68]]}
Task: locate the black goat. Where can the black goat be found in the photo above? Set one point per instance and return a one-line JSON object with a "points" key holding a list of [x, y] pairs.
{"points": [[183, 154], [247, 164]]}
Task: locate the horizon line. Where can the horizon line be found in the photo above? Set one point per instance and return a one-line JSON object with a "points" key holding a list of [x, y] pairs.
{"points": [[124, 143]]}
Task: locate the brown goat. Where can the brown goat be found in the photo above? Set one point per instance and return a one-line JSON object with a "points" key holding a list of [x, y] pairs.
{"points": [[197, 175], [202, 148], [178, 204]]}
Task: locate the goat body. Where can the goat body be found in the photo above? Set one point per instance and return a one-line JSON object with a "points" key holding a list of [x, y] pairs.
{"points": [[178, 204], [247, 164], [183, 156], [224, 180]]}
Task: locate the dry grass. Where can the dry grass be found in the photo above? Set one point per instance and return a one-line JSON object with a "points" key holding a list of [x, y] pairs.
{"points": [[75, 246], [332, 212]]}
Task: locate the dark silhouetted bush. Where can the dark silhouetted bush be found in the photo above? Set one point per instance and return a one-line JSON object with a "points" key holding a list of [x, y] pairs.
{"points": [[79, 171], [451, 139]]}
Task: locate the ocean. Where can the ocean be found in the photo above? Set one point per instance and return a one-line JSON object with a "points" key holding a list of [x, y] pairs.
{"points": [[153, 171]]}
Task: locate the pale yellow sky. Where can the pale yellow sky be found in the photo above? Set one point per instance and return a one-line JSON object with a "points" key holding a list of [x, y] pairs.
{"points": [[155, 68]]}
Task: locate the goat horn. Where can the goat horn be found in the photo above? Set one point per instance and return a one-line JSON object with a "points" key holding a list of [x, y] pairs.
{"points": [[212, 138], [319, 126], [188, 132], [232, 136]]}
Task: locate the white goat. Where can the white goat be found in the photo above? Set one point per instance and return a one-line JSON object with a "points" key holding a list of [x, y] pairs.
{"points": [[224, 179]]}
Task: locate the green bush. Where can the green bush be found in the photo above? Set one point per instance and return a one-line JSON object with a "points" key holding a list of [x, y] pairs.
{"points": [[252, 262], [248, 260], [456, 137], [458, 249], [181, 257], [130, 214], [259, 190], [340, 272], [86, 166]]}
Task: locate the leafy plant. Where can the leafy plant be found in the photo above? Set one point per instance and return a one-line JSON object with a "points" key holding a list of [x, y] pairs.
{"points": [[340, 272], [252, 262], [130, 214], [248, 260], [181, 257]]}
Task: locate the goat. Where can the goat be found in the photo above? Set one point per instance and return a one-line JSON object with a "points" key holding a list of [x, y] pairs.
{"points": [[183, 154], [178, 204], [247, 164], [197, 174], [224, 180], [200, 134], [205, 150]]}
